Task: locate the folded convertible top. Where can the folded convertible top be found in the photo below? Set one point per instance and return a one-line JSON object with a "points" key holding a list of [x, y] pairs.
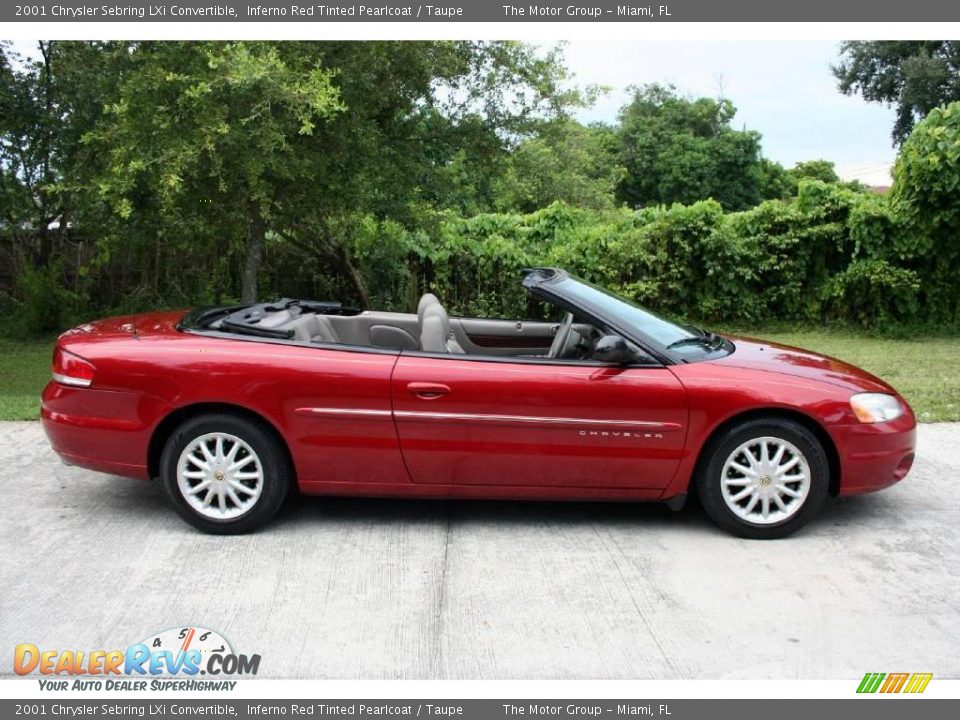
{"points": [[261, 319]]}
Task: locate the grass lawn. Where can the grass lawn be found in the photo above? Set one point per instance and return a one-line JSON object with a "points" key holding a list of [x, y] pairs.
{"points": [[24, 370], [925, 370]]}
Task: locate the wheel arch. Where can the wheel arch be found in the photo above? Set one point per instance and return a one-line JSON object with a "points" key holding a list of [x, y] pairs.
{"points": [[811, 424], [175, 418]]}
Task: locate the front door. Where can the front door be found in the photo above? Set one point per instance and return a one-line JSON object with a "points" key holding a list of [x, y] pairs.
{"points": [[479, 421]]}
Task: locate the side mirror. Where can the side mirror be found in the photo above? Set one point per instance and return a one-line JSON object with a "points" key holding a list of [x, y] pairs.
{"points": [[616, 350]]}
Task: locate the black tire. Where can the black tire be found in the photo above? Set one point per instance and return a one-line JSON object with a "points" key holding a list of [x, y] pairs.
{"points": [[711, 467], [272, 458]]}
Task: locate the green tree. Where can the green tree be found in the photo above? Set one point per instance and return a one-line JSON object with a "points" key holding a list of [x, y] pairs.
{"points": [[567, 162], [208, 128], [291, 143], [822, 170], [778, 182], [926, 202], [775, 181], [676, 149], [913, 75], [30, 128]]}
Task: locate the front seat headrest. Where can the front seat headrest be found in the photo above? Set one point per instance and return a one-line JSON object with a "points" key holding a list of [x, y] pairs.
{"points": [[436, 335], [426, 301], [434, 329]]}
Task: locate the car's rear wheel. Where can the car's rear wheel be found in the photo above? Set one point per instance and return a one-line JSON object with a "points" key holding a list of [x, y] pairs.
{"points": [[764, 478], [224, 474]]}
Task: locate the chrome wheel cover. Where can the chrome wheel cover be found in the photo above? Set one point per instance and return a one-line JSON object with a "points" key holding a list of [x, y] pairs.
{"points": [[765, 481], [220, 476]]}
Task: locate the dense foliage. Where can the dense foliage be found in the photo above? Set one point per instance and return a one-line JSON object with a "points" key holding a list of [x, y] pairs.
{"points": [[171, 166], [675, 149], [143, 175], [828, 255], [835, 252]]}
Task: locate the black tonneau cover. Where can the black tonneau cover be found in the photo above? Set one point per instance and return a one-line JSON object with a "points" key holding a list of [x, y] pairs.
{"points": [[245, 319]]}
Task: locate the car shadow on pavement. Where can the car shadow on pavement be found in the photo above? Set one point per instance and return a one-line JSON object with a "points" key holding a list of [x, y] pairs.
{"points": [[146, 501], [882, 507], [502, 512], [137, 499], [306, 510]]}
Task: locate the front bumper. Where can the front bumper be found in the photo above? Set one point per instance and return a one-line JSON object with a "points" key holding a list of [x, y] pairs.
{"points": [[875, 456]]}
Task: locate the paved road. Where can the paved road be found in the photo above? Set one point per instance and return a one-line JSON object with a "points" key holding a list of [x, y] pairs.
{"points": [[345, 588]]}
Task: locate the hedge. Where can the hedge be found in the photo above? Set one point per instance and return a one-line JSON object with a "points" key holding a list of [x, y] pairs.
{"points": [[830, 255]]}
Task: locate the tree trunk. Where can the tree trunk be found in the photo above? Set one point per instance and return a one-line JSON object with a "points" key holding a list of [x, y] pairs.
{"points": [[413, 289], [46, 239], [45, 251], [328, 247], [254, 256], [339, 252], [356, 280]]}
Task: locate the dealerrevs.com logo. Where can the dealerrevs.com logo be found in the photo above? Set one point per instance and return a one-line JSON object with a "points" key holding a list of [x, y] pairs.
{"points": [[154, 663], [898, 682]]}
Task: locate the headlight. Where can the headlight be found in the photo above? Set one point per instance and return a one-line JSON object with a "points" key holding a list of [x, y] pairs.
{"points": [[875, 407]]}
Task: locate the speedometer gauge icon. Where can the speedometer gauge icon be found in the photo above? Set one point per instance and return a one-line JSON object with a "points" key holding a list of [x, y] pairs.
{"points": [[183, 639]]}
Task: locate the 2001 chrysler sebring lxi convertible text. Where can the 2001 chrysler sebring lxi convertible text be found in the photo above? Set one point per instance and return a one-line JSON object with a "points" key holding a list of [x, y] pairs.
{"points": [[230, 406]]}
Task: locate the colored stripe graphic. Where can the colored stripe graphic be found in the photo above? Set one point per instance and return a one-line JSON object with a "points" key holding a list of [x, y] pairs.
{"points": [[870, 682], [918, 682], [894, 682]]}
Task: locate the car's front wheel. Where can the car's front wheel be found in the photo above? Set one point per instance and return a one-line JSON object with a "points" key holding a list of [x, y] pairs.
{"points": [[764, 478], [224, 474]]}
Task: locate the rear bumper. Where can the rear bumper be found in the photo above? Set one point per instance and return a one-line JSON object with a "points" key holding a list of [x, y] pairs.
{"points": [[875, 456], [96, 429]]}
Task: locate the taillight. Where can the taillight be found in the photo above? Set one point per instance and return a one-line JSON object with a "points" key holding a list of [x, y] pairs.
{"points": [[70, 369]]}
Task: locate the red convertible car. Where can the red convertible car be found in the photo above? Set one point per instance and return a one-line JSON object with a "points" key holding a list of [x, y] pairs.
{"points": [[231, 406]]}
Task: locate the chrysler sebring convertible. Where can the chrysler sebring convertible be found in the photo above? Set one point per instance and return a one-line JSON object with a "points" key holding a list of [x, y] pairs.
{"points": [[232, 407]]}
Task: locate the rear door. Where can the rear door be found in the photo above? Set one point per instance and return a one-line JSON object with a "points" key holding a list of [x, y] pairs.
{"points": [[480, 421]]}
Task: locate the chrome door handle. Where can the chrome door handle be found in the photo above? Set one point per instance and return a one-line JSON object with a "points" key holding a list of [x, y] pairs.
{"points": [[427, 390]]}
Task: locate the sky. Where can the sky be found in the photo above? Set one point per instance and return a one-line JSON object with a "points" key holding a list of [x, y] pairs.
{"points": [[784, 90]]}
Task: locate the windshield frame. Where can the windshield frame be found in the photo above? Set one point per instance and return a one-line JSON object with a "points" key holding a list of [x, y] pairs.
{"points": [[553, 284]]}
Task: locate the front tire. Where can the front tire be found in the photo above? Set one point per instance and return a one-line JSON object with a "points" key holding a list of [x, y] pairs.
{"points": [[764, 478], [224, 474]]}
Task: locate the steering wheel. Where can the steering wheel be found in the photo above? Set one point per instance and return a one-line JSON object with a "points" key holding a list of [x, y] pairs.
{"points": [[560, 339]]}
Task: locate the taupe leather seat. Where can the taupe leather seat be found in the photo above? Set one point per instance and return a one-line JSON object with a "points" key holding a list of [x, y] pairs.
{"points": [[313, 328], [436, 335], [426, 301]]}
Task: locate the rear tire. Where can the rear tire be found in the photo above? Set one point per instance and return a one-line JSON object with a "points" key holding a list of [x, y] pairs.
{"points": [[224, 474], [764, 478]]}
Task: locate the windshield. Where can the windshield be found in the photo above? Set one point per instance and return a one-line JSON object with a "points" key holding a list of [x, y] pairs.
{"points": [[629, 313]]}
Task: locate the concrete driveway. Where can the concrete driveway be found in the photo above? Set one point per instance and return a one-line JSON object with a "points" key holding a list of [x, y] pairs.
{"points": [[345, 588]]}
